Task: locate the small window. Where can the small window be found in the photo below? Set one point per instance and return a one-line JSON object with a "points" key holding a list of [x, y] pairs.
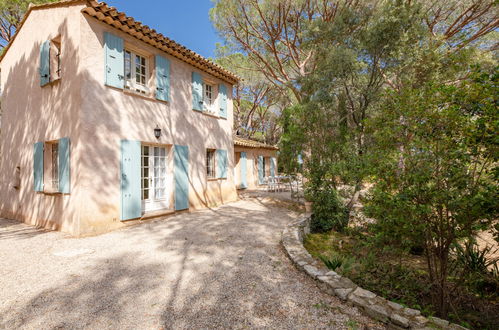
{"points": [[17, 178], [210, 163], [208, 93], [136, 72], [55, 59], [54, 166]]}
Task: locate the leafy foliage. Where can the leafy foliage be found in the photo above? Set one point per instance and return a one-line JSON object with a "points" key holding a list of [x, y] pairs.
{"points": [[11, 14]]}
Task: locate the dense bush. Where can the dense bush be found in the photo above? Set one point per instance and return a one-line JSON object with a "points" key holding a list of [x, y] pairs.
{"points": [[328, 211]]}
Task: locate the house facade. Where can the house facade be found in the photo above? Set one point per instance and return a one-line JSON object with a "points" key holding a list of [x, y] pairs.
{"points": [[254, 162], [106, 122]]}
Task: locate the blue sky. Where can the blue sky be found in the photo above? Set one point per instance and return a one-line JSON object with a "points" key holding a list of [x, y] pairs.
{"points": [[185, 21]]}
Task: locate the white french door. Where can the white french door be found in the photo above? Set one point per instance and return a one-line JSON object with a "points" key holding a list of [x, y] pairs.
{"points": [[154, 178]]}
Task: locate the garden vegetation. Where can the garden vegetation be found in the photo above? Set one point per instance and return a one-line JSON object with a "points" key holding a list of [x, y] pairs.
{"points": [[399, 99]]}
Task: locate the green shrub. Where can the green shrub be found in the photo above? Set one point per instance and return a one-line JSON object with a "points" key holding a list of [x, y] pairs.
{"points": [[332, 263], [328, 211]]}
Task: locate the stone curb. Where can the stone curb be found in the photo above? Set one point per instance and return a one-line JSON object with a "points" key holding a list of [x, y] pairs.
{"points": [[379, 308]]}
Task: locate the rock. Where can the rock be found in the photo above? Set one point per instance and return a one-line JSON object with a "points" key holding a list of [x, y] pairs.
{"points": [[364, 293], [357, 301], [453, 326], [343, 293], [439, 322], [419, 322], [399, 320], [395, 306], [377, 312], [411, 312], [312, 271], [331, 273]]}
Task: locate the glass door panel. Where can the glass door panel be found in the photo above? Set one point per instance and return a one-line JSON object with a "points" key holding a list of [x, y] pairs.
{"points": [[154, 178]]}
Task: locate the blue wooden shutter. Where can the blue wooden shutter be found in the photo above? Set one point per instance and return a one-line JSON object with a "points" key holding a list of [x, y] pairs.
{"points": [[222, 163], [115, 61], [222, 90], [272, 167], [64, 168], [260, 169], [131, 206], [38, 166], [242, 164], [44, 63], [162, 78], [197, 91], [181, 174]]}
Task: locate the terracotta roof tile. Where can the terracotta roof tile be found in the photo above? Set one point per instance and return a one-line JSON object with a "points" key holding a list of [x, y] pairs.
{"points": [[240, 142]]}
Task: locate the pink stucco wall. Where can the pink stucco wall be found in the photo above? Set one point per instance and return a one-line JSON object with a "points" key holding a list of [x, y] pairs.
{"points": [[95, 117], [252, 164]]}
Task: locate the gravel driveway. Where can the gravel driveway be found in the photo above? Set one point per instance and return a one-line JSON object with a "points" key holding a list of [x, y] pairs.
{"points": [[215, 268]]}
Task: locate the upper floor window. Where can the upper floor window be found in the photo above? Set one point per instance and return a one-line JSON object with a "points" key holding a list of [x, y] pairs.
{"points": [[208, 97], [55, 58], [136, 72]]}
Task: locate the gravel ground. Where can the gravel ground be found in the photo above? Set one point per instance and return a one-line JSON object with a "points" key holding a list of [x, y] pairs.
{"points": [[218, 268]]}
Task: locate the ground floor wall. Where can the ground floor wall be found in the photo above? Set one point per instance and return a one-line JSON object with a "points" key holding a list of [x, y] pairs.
{"points": [[94, 204], [250, 170], [103, 209]]}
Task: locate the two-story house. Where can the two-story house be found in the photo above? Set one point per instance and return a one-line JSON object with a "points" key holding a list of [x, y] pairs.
{"points": [[105, 121]]}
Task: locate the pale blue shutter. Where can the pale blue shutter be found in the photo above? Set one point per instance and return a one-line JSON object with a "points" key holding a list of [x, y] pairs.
{"points": [[197, 91], [242, 164], [64, 168], [222, 90], [181, 174], [162, 78], [222, 163], [44, 63], [260, 169], [115, 61], [131, 206], [272, 167], [38, 166]]}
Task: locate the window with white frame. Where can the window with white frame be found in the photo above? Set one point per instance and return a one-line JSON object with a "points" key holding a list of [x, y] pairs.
{"points": [[208, 97], [210, 163], [136, 72]]}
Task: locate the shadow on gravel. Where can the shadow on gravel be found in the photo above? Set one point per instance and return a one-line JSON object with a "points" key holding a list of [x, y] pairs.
{"points": [[97, 297], [12, 229], [210, 269]]}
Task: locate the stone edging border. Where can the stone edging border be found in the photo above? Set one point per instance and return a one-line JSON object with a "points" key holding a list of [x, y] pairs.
{"points": [[379, 308]]}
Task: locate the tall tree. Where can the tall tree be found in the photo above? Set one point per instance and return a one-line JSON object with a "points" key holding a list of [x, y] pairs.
{"points": [[257, 103], [11, 15], [270, 32]]}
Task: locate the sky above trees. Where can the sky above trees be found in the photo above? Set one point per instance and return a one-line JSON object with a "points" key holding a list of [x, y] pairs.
{"points": [[186, 22]]}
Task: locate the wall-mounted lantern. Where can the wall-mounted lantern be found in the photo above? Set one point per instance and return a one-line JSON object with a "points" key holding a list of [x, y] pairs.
{"points": [[157, 132]]}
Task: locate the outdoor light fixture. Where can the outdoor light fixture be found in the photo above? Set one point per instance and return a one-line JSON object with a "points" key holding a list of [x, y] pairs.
{"points": [[157, 132]]}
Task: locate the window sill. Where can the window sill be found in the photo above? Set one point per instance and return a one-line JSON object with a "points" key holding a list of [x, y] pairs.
{"points": [[134, 93], [149, 96], [216, 179], [209, 114], [51, 192]]}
